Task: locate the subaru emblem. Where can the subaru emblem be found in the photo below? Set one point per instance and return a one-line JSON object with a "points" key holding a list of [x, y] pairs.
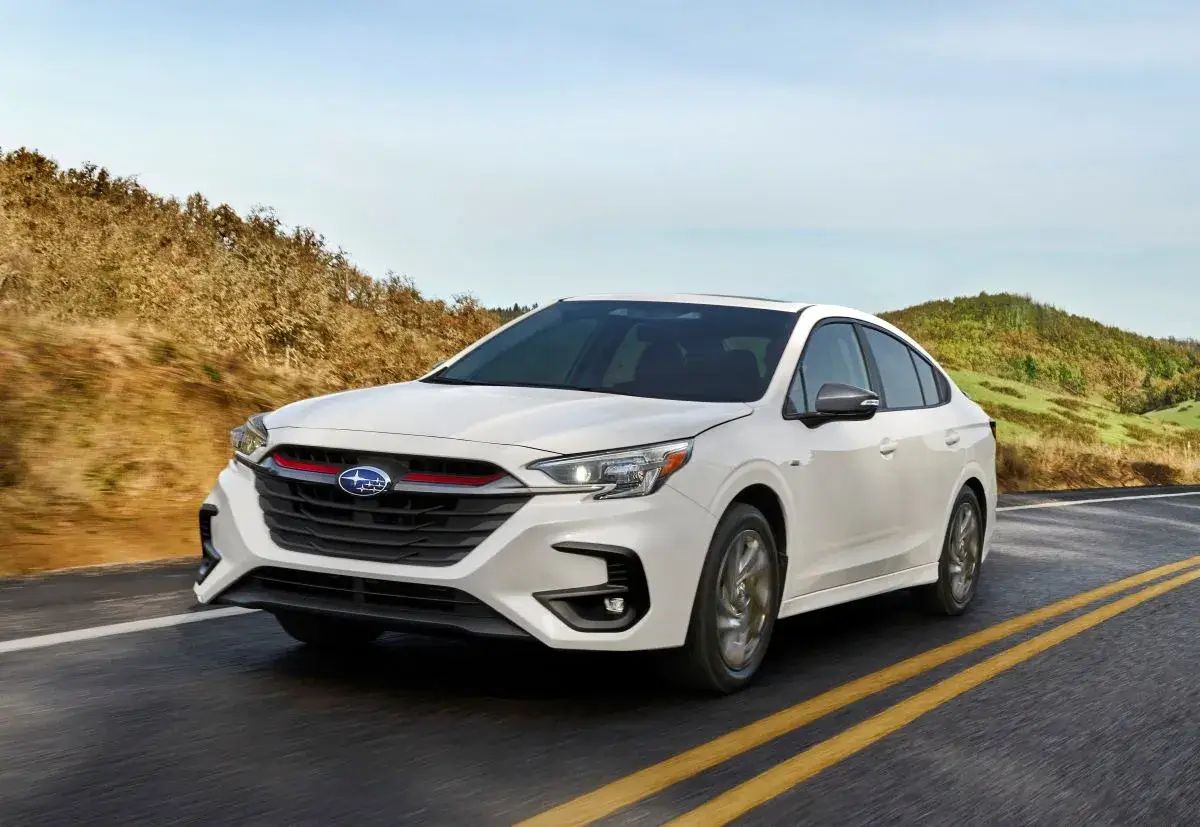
{"points": [[364, 481]]}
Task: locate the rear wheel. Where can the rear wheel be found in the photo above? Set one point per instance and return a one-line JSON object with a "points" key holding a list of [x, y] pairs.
{"points": [[961, 560], [327, 632], [736, 603]]}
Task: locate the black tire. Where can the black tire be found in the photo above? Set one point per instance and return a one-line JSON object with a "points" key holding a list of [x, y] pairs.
{"points": [[327, 632], [947, 596], [701, 664]]}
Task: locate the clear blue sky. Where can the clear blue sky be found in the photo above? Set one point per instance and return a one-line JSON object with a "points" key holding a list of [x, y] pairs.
{"points": [[872, 154]]}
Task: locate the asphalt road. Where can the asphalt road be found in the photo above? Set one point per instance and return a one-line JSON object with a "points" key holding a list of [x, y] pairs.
{"points": [[228, 721]]}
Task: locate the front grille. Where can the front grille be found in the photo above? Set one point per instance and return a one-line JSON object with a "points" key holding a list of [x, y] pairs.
{"points": [[415, 528], [393, 463], [403, 606]]}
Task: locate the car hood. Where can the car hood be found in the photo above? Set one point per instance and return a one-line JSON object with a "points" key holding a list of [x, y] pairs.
{"points": [[547, 419]]}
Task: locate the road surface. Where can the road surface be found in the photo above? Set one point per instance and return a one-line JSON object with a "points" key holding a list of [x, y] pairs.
{"points": [[1086, 711]]}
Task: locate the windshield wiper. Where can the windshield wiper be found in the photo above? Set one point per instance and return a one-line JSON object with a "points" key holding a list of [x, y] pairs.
{"points": [[446, 380]]}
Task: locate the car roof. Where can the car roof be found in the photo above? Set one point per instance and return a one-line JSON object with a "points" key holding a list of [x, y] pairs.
{"points": [[696, 298]]}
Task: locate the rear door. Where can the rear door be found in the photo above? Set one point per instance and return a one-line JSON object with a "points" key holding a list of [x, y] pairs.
{"points": [[925, 453], [846, 493]]}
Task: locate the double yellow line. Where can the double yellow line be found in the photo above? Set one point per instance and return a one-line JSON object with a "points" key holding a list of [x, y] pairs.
{"points": [[741, 799]]}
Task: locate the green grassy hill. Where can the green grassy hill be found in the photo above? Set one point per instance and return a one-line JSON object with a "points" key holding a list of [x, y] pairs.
{"points": [[1185, 414], [1015, 338], [1075, 399], [1050, 439]]}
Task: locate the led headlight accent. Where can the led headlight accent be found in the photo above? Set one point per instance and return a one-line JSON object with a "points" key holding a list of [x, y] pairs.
{"points": [[250, 437], [633, 472]]}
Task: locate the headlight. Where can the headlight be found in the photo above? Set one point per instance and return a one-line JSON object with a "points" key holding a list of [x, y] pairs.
{"points": [[250, 437], [634, 472]]}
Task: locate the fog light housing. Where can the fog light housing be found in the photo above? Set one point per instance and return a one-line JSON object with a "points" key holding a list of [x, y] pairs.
{"points": [[209, 556], [615, 605]]}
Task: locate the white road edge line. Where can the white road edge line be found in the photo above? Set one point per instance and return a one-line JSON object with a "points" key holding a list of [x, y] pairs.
{"points": [[42, 641], [1066, 503]]}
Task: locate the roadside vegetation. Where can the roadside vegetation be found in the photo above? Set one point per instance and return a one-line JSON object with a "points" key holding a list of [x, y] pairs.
{"points": [[1186, 414], [1049, 439], [135, 330]]}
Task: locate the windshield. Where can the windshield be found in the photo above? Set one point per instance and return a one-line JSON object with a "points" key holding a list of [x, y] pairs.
{"points": [[664, 350]]}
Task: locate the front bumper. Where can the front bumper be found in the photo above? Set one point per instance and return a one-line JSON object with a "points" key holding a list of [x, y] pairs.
{"points": [[516, 573]]}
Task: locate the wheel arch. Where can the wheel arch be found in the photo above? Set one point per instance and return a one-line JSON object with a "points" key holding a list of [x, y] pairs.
{"points": [[760, 484], [976, 485], [766, 500]]}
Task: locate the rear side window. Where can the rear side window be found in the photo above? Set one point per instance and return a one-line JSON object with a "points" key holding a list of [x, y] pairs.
{"points": [[831, 355], [929, 384], [901, 387]]}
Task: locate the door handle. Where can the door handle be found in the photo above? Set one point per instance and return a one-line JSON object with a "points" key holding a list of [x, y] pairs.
{"points": [[952, 439], [888, 447]]}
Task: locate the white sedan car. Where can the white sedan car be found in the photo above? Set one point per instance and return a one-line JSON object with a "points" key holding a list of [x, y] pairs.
{"points": [[615, 473]]}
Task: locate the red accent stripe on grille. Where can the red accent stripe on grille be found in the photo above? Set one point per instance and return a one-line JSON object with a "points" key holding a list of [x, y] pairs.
{"points": [[313, 467], [451, 479]]}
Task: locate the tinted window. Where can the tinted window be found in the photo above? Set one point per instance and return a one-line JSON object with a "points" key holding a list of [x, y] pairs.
{"points": [[543, 356], [901, 388], [831, 355], [665, 350], [929, 385]]}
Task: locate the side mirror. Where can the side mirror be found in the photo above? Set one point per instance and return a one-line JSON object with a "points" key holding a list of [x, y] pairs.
{"points": [[837, 401], [841, 400]]}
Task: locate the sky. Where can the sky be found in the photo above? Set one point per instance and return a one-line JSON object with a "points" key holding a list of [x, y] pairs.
{"points": [[869, 154]]}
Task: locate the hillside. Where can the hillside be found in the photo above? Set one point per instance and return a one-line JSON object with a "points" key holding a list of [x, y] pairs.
{"points": [[112, 433], [1015, 338], [83, 245], [1186, 414], [1076, 399], [135, 330]]}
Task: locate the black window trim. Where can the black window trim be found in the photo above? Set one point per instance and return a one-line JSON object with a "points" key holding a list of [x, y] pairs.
{"points": [[873, 375]]}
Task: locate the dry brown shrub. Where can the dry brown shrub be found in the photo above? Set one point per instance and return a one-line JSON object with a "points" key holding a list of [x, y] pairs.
{"points": [[109, 428], [1049, 463], [80, 244], [1071, 403], [1008, 390]]}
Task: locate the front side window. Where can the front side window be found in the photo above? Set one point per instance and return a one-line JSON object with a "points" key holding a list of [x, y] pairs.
{"points": [[901, 387], [831, 355], [665, 350]]}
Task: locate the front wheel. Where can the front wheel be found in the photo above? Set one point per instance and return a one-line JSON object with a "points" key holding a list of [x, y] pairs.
{"points": [[736, 603], [327, 632], [961, 560]]}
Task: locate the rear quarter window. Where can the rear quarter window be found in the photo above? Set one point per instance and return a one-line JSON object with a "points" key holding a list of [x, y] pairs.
{"points": [[930, 387]]}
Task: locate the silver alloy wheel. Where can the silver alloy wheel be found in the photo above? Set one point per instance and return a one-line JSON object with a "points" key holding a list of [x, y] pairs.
{"points": [[965, 545], [744, 598]]}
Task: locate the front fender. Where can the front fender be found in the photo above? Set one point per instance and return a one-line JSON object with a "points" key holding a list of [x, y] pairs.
{"points": [[715, 487]]}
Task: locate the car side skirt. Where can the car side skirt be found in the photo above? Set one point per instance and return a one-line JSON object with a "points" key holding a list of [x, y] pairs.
{"points": [[916, 576]]}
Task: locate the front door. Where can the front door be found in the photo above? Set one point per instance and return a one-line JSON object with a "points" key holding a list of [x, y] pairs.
{"points": [[847, 494]]}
